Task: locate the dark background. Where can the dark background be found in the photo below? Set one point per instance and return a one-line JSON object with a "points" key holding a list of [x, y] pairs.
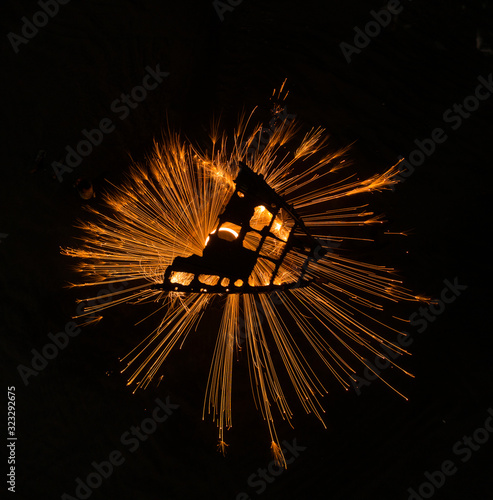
{"points": [[64, 80]]}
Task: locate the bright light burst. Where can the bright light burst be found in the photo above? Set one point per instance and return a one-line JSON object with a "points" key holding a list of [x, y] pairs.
{"points": [[169, 207]]}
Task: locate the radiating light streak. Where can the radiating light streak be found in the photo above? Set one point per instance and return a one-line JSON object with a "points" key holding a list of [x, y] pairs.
{"points": [[168, 207]]}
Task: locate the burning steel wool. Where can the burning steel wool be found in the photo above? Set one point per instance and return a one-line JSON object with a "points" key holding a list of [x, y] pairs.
{"points": [[251, 232]]}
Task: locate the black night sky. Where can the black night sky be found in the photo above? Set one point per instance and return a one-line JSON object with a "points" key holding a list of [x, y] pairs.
{"points": [[421, 80]]}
